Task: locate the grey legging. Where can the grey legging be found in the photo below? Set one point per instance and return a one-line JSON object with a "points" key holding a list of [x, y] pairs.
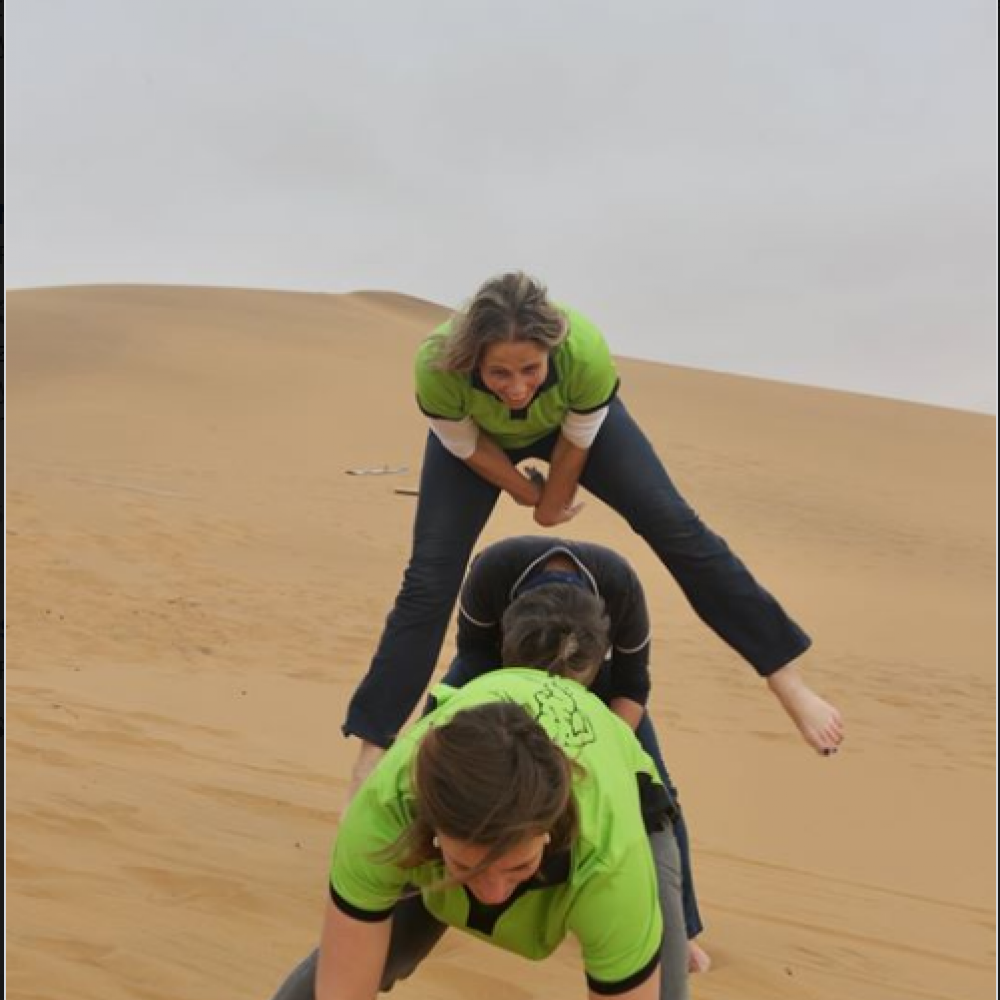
{"points": [[415, 932]]}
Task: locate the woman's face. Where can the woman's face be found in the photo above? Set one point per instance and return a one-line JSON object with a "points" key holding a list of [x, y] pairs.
{"points": [[513, 370], [496, 883]]}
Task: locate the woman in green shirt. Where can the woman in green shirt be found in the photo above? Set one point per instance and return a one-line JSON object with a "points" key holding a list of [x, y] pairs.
{"points": [[516, 377], [520, 811]]}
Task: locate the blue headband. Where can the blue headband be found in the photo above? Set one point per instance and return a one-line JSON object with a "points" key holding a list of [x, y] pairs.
{"points": [[548, 576]]}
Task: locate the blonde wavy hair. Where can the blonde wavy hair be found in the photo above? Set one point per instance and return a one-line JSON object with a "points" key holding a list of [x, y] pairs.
{"points": [[510, 307]]}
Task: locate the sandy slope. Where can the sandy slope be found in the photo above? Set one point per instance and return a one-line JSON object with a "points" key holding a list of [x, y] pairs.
{"points": [[195, 587]]}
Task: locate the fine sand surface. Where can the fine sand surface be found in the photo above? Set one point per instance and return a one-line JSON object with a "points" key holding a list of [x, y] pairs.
{"points": [[196, 586]]}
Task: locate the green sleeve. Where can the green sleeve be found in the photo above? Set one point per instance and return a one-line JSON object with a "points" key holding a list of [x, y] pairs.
{"points": [[617, 919], [357, 877], [590, 372], [444, 395]]}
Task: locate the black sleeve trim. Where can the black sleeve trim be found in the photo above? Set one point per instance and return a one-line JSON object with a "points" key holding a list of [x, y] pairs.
{"points": [[436, 416], [658, 806], [366, 916], [624, 985], [600, 406]]}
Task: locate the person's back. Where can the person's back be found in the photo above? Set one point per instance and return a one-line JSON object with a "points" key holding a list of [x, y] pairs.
{"points": [[521, 810], [615, 783]]}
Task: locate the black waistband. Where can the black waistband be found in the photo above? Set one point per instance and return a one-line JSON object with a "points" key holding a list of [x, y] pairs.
{"points": [[659, 807]]}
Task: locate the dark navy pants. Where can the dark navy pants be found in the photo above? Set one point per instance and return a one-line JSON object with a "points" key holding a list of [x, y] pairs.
{"points": [[624, 471]]}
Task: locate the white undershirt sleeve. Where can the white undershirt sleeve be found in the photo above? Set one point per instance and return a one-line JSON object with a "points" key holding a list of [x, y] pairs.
{"points": [[581, 428], [458, 436]]}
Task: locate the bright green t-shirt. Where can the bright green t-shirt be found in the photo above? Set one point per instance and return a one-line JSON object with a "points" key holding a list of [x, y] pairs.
{"points": [[604, 892], [582, 378]]}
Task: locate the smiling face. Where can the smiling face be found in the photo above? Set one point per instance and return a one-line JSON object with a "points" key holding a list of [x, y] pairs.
{"points": [[497, 882], [513, 370]]}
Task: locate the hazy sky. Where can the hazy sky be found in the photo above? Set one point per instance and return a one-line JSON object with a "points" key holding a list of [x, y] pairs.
{"points": [[797, 189]]}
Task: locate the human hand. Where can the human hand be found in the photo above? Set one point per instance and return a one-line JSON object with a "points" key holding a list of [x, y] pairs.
{"points": [[699, 960], [546, 518]]}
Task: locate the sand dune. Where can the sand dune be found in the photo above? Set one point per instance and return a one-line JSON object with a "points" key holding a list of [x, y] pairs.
{"points": [[195, 586]]}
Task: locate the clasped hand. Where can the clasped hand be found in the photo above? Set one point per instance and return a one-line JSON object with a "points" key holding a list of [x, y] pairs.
{"points": [[544, 516]]}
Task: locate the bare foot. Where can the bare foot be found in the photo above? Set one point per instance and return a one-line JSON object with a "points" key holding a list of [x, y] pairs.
{"points": [[816, 719], [699, 960]]}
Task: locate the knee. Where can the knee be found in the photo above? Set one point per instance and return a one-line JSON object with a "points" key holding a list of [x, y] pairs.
{"points": [[432, 583], [667, 518]]}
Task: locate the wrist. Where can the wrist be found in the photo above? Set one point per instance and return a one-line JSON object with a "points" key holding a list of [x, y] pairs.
{"points": [[528, 493], [544, 518], [628, 710]]}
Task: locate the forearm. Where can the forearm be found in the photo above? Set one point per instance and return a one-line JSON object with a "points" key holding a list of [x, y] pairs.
{"points": [[351, 957], [628, 680], [565, 468], [492, 463], [629, 711], [369, 754]]}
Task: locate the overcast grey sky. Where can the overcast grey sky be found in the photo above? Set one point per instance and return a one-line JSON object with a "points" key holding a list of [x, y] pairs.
{"points": [[796, 189]]}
